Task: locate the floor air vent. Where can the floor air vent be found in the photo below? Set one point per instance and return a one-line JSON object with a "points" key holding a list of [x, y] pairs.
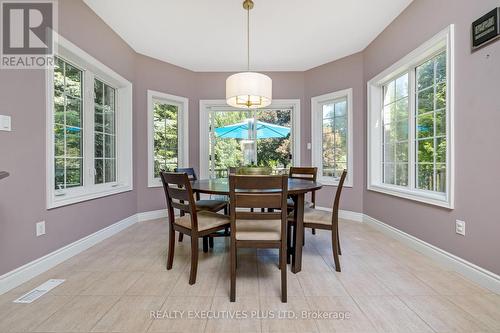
{"points": [[39, 291]]}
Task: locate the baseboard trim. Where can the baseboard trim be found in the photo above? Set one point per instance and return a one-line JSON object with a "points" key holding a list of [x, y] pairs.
{"points": [[345, 214], [152, 215], [481, 276], [28, 271], [38, 266]]}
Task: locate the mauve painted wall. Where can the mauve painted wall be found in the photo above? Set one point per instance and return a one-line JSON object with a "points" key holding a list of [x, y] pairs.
{"points": [[22, 151], [22, 202], [152, 74], [477, 118], [338, 75], [160, 76]]}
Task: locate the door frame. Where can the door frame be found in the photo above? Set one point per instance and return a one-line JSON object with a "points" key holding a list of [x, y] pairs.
{"points": [[207, 105]]}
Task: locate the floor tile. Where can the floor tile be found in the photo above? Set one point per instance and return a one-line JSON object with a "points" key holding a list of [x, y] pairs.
{"points": [[112, 283], [79, 315], [239, 316], [390, 314], [131, 314], [338, 314], [182, 314], [449, 283], [19, 317], [286, 317], [441, 315], [485, 308]]}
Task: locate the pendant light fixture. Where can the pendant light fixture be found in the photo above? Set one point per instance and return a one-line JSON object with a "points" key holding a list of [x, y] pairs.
{"points": [[249, 90]]}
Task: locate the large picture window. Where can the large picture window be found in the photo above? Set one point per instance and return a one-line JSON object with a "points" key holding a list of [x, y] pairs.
{"points": [[167, 132], [68, 125], [105, 133], [89, 129], [331, 116], [410, 125]]}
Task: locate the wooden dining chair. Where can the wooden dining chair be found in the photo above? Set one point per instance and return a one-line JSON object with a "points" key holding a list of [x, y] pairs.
{"points": [[258, 229], [196, 224], [210, 205], [319, 219], [231, 171], [306, 173]]}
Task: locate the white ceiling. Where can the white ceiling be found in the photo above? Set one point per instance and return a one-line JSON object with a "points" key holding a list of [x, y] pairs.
{"points": [[210, 35]]}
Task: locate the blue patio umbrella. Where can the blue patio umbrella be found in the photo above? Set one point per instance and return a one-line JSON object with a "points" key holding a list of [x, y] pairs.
{"points": [[244, 129]]}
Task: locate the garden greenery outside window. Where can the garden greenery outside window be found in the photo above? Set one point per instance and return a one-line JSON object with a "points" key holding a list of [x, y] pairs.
{"points": [[331, 116], [89, 111], [167, 134], [410, 112]]}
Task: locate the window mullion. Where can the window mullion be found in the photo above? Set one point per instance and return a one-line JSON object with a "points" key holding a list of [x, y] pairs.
{"points": [[88, 131], [412, 153]]}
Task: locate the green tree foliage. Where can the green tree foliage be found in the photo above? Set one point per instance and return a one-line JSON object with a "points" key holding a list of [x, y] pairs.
{"points": [[68, 127], [431, 124], [165, 137], [271, 152], [274, 152]]}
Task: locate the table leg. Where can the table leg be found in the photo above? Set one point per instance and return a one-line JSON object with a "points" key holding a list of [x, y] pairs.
{"points": [[298, 234]]}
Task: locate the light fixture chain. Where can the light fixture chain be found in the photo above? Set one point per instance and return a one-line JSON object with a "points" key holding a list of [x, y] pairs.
{"points": [[248, 39]]}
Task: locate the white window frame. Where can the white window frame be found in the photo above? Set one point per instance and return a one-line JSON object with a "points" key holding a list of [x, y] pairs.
{"points": [[182, 131], [206, 106], [92, 68], [443, 40], [317, 135]]}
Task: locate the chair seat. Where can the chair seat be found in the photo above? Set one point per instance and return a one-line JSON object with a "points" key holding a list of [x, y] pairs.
{"points": [[312, 215], [210, 205], [316, 216], [206, 220], [263, 230]]}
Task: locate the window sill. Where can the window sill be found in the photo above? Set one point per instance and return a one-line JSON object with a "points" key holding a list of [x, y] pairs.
{"points": [[440, 200], [333, 182], [155, 182], [73, 198]]}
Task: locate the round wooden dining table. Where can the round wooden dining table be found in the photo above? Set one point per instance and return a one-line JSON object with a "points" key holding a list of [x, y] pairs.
{"points": [[297, 188]]}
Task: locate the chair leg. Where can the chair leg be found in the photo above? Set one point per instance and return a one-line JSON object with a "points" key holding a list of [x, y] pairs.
{"points": [[289, 243], [279, 259], [194, 259], [232, 293], [181, 236], [313, 231], [226, 212], [205, 244], [211, 242], [338, 241], [171, 247], [283, 272], [335, 248]]}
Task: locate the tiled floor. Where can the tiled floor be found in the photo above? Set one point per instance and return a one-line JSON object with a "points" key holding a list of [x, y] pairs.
{"points": [[384, 286]]}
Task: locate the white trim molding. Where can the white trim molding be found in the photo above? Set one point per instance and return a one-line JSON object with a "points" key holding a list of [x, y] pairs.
{"points": [[344, 214], [91, 68], [317, 134], [38, 266], [444, 40], [182, 104], [207, 106], [26, 272], [471, 271], [152, 215]]}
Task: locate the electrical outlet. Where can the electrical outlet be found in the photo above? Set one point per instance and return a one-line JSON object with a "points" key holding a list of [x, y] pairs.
{"points": [[40, 228], [308, 146], [460, 227]]}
